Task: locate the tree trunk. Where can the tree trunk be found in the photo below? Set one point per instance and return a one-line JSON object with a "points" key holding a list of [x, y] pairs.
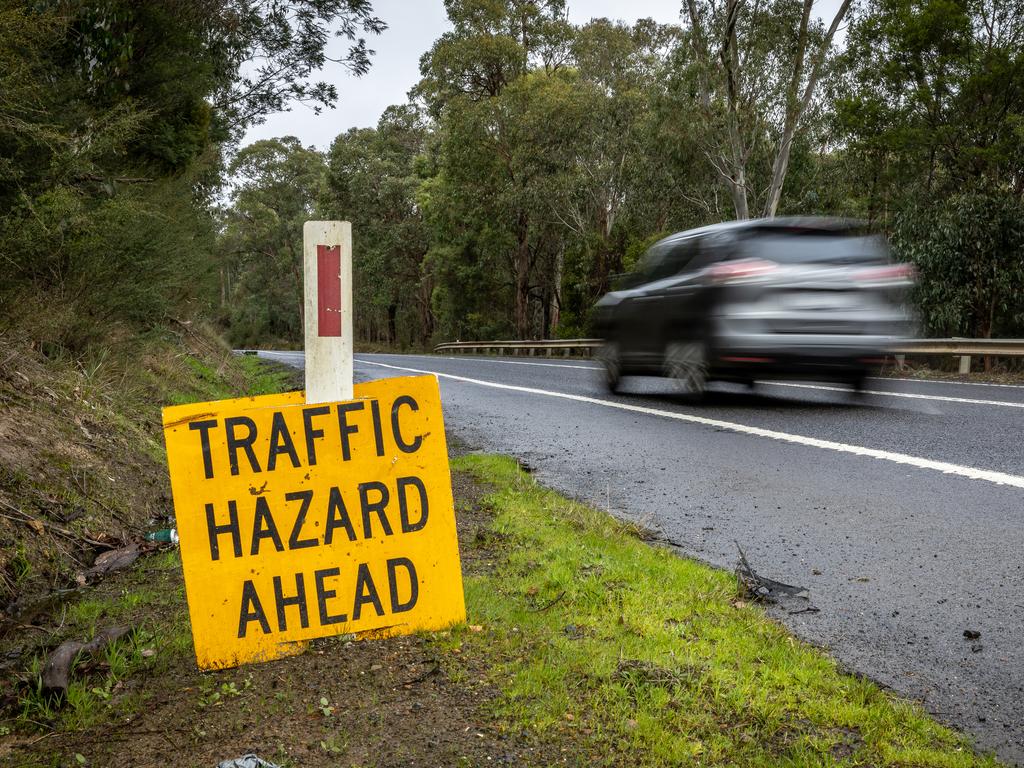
{"points": [[392, 324], [556, 298], [521, 317], [738, 162], [738, 189], [795, 109]]}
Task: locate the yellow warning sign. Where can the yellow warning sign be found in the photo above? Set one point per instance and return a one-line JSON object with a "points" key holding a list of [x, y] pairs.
{"points": [[299, 521]]}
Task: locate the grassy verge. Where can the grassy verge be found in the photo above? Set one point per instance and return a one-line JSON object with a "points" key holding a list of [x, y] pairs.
{"points": [[645, 658], [584, 645]]}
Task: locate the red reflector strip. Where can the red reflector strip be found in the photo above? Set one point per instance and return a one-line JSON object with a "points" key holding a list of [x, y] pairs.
{"points": [[748, 360], [328, 290], [727, 271]]}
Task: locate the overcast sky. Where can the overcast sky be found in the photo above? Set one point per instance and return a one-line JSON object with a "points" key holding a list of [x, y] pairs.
{"points": [[413, 25]]}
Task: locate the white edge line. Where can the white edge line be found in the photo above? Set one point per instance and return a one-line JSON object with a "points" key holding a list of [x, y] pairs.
{"points": [[597, 368], [883, 393], [991, 476], [947, 382], [879, 392]]}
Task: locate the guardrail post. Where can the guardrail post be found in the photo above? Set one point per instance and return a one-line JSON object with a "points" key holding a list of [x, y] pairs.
{"points": [[327, 305], [965, 363]]}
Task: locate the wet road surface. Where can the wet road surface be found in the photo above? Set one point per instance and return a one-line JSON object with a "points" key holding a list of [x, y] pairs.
{"points": [[902, 511]]}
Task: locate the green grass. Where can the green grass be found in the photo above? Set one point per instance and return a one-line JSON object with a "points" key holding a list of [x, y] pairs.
{"points": [[206, 383], [148, 598], [264, 378], [646, 658]]}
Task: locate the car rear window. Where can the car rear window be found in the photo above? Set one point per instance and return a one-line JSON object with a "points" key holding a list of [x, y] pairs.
{"points": [[815, 247]]}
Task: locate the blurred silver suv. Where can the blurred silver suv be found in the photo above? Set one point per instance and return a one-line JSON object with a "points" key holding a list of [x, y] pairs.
{"points": [[809, 298]]}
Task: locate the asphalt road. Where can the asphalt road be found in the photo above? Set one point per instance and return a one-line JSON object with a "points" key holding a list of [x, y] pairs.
{"points": [[900, 511]]}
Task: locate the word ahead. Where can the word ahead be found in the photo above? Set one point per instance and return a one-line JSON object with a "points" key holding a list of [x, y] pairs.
{"points": [[299, 521]]}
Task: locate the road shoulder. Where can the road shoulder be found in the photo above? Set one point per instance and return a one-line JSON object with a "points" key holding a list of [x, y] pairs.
{"points": [[584, 645]]}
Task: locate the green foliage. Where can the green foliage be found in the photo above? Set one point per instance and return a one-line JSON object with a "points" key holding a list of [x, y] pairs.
{"points": [[933, 103], [373, 179], [932, 111], [538, 159], [969, 250], [113, 119], [278, 183]]}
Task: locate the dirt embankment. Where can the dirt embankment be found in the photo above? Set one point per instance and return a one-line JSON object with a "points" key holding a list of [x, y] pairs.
{"points": [[82, 466]]}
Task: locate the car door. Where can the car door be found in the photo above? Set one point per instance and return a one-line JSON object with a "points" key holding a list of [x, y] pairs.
{"points": [[667, 295]]}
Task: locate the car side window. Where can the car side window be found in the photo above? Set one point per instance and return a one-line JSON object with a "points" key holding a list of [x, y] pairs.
{"points": [[713, 249], [669, 259]]}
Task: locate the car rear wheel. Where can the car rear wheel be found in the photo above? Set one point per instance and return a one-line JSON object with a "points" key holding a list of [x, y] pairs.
{"points": [[686, 363], [611, 360]]}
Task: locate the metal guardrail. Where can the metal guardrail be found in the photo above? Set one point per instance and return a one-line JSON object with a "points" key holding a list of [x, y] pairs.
{"points": [[994, 347], [544, 346], [962, 348]]}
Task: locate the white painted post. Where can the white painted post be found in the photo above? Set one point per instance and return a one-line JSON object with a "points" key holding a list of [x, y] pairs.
{"points": [[327, 259], [965, 364]]}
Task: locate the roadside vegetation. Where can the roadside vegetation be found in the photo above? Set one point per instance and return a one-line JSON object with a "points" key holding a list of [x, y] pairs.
{"points": [[537, 159], [584, 645], [534, 161], [82, 461]]}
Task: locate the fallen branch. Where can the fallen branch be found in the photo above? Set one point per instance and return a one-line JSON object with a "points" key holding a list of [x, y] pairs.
{"points": [[34, 522], [761, 589], [545, 607], [57, 672]]}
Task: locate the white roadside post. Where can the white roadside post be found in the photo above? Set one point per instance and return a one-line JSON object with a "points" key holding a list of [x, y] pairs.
{"points": [[327, 259]]}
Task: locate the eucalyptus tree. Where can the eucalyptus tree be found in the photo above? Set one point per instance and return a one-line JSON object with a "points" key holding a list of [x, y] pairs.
{"points": [[931, 116], [373, 180], [934, 101], [481, 82], [278, 184], [754, 68]]}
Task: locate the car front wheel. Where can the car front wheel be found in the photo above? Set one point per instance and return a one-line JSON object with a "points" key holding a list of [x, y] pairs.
{"points": [[611, 361]]}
